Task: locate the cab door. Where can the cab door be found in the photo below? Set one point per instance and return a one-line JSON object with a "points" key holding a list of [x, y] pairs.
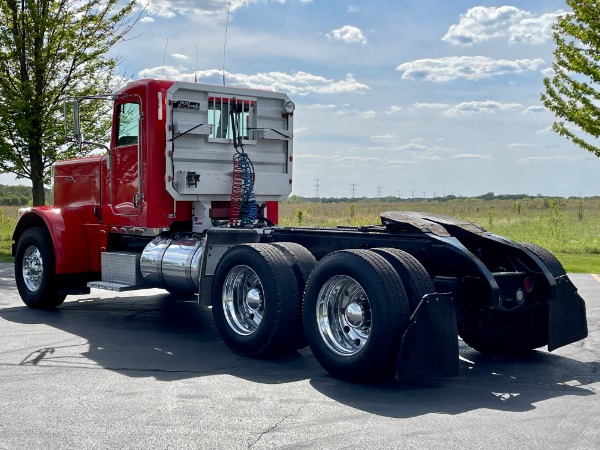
{"points": [[125, 174]]}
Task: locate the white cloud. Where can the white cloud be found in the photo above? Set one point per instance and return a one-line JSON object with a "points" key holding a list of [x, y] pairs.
{"points": [[180, 57], [167, 73], [485, 107], [521, 145], [320, 106], [384, 137], [534, 109], [171, 8], [349, 34], [518, 26], [353, 9], [394, 109], [533, 30], [299, 83], [468, 67], [544, 159], [421, 105], [545, 130], [548, 72], [470, 156]]}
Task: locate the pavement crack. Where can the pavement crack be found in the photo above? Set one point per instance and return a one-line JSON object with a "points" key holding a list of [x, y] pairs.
{"points": [[274, 426]]}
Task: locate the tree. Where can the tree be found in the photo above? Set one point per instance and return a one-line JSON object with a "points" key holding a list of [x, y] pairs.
{"points": [[572, 92], [50, 50]]}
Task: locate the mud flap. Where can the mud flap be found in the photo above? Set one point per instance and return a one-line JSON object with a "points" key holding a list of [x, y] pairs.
{"points": [[429, 346], [567, 319]]}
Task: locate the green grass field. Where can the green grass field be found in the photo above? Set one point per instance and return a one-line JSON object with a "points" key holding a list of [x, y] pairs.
{"points": [[570, 228]]}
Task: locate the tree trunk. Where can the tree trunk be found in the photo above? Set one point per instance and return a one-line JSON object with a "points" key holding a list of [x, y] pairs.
{"points": [[39, 194], [37, 178]]}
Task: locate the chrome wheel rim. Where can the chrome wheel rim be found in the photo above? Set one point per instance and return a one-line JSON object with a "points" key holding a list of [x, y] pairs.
{"points": [[343, 315], [33, 268], [243, 300]]}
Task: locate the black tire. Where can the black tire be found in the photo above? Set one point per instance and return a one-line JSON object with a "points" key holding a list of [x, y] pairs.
{"points": [[539, 335], [414, 276], [255, 300], [553, 264], [303, 262], [354, 312], [510, 332], [35, 270]]}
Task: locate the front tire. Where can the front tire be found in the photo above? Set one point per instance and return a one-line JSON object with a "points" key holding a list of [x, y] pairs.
{"points": [[35, 270], [255, 300], [354, 312]]}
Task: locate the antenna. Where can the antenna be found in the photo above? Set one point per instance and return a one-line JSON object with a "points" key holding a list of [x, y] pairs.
{"points": [[225, 42], [162, 74]]}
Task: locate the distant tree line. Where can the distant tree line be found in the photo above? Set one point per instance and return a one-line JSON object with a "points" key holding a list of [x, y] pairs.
{"points": [[392, 199], [15, 195]]}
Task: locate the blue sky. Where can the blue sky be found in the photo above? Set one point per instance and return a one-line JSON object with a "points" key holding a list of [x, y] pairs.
{"points": [[397, 97]]}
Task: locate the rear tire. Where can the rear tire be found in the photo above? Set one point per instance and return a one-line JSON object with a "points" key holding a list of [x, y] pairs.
{"points": [[553, 264], [255, 300], [414, 276], [354, 312], [510, 332], [35, 273], [303, 262]]}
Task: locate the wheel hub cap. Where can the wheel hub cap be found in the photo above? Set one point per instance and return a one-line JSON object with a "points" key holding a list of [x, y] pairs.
{"points": [[253, 300], [354, 314], [243, 300], [343, 315], [33, 268]]}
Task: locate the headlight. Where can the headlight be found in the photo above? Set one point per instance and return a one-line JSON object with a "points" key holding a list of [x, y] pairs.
{"points": [[289, 107]]}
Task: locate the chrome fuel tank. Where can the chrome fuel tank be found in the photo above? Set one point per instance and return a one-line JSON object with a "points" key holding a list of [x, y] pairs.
{"points": [[172, 263]]}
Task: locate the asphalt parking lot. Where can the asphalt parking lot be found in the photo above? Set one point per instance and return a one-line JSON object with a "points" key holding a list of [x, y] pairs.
{"points": [[148, 370]]}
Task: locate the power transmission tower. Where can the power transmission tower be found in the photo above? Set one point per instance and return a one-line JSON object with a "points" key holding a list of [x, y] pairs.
{"points": [[378, 191], [317, 186], [353, 186]]}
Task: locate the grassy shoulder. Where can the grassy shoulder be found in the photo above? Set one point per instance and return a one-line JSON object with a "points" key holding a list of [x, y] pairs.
{"points": [[579, 263], [5, 256]]}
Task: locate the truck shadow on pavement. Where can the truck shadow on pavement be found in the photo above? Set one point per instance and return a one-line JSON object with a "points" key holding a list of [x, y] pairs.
{"points": [[171, 338]]}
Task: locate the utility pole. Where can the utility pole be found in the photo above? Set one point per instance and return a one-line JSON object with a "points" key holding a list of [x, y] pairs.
{"points": [[353, 186], [378, 191], [399, 195], [317, 186]]}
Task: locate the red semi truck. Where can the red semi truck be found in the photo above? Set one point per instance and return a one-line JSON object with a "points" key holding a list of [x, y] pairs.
{"points": [[185, 198]]}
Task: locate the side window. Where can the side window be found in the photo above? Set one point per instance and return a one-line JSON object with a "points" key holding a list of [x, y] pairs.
{"points": [[128, 124]]}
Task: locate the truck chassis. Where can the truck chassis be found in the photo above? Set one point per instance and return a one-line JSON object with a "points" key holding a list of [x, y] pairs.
{"points": [[172, 205], [372, 302]]}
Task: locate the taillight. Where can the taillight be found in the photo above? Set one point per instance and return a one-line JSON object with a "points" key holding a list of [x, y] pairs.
{"points": [[528, 285]]}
